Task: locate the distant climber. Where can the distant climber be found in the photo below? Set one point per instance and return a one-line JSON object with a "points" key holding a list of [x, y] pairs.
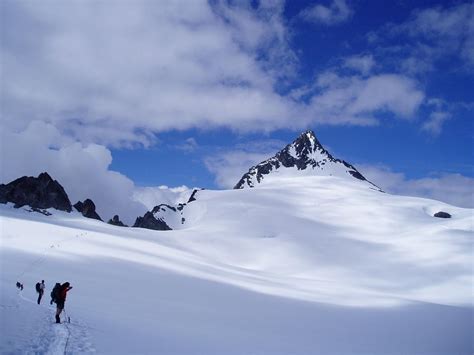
{"points": [[40, 289], [55, 292], [19, 286], [61, 299]]}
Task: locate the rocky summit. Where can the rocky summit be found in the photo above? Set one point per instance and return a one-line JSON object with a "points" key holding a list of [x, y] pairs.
{"points": [[149, 220], [115, 221], [304, 155], [40, 192], [87, 208]]}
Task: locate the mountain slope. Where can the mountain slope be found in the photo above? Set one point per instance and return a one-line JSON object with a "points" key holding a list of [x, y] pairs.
{"points": [[297, 262], [305, 156]]}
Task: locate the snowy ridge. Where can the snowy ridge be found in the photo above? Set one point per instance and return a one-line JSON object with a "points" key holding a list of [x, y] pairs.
{"points": [[305, 156], [172, 216]]}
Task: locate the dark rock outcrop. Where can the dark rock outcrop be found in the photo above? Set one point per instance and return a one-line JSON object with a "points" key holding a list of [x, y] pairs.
{"points": [[161, 217], [116, 221], [87, 208], [193, 195], [162, 207], [39, 193], [149, 221], [306, 152], [442, 214]]}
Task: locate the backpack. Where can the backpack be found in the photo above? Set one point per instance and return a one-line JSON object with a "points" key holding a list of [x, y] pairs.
{"points": [[38, 287], [55, 292]]}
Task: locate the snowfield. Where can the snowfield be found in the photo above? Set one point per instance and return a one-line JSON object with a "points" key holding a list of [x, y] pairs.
{"points": [[299, 265]]}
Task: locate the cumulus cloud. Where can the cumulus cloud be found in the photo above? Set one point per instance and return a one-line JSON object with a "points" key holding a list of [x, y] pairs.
{"points": [[143, 66], [83, 170], [110, 75], [336, 12], [153, 196], [454, 189]]}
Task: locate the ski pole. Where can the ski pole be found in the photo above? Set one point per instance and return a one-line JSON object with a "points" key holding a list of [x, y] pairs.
{"points": [[68, 318]]}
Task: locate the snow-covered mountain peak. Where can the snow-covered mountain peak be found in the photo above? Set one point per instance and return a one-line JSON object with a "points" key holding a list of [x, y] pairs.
{"points": [[304, 156], [306, 148]]}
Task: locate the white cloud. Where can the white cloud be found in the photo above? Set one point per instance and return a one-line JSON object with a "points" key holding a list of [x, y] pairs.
{"points": [[436, 121], [107, 73], [83, 171], [228, 167], [354, 99], [189, 145], [336, 12], [153, 196], [87, 75], [435, 33], [454, 189], [361, 63], [388, 92], [116, 75]]}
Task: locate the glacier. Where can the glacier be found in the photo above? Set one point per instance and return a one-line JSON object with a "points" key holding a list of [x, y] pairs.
{"points": [[300, 265]]}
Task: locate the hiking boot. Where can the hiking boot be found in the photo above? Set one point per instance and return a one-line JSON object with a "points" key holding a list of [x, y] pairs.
{"points": [[58, 320]]}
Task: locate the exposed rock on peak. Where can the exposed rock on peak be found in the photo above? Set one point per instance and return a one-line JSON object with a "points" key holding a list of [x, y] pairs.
{"points": [[87, 208], [193, 195], [305, 154], [163, 217], [116, 221], [149, 221], [40, 192]]}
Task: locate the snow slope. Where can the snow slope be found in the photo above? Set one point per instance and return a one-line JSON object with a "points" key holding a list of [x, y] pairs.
{"points": [[308, 265]]}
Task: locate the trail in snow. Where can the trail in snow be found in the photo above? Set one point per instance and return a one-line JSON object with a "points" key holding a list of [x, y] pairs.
{"points": [[46, 336], [53, 338], [44, 255]]}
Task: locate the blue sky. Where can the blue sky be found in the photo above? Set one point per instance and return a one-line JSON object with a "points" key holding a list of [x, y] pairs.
{"points": [[400, 145], [144, 93]]}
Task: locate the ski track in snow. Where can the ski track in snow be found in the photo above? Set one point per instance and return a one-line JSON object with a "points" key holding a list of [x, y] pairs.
{"points": [[52, 338]]}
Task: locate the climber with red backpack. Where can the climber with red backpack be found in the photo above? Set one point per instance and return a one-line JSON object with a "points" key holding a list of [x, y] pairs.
{"points": [[60, 299]]}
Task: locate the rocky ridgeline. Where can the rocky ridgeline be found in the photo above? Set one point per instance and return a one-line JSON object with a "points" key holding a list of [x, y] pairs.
{"points": [[306, 152], [149, 221], [164, 216], [40, 193], [159, 218]]}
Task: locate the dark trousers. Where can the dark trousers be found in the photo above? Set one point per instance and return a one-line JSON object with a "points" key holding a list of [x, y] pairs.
{"points": [[40, 295]]}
